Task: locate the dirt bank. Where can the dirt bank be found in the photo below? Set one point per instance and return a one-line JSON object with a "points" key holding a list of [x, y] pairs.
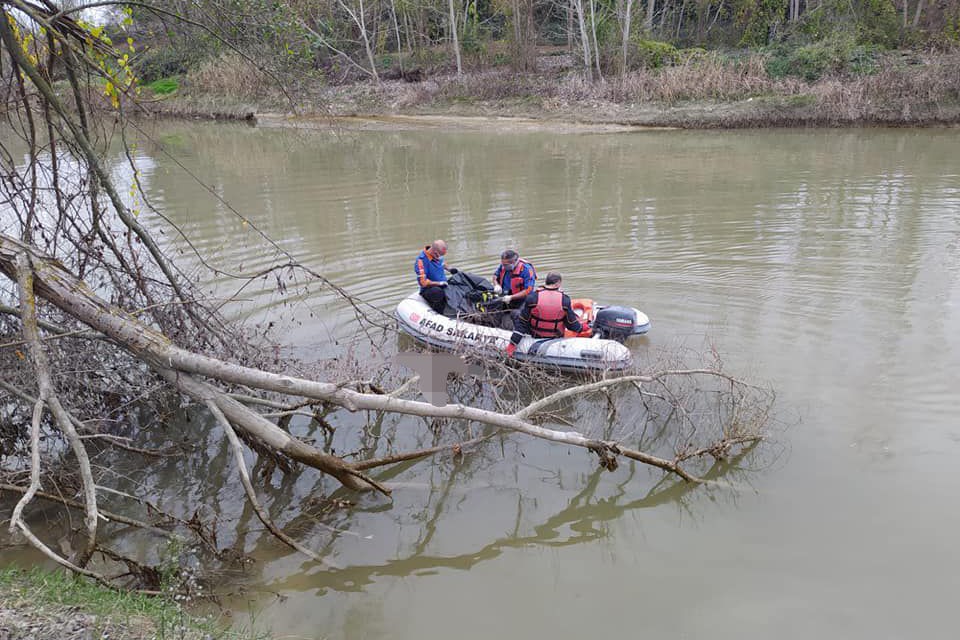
{"points": [[748, 114], [505, 116]]}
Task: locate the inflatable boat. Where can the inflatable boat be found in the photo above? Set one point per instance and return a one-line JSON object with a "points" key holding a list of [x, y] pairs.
{"points": [[600, 346]]}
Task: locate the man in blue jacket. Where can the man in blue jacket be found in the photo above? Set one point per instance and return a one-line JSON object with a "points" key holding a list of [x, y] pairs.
{"points": [[517, 278], [430, 269]]}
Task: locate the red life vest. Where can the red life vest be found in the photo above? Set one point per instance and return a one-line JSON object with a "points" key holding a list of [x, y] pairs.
{"points": [[546, 318], [516, 277]]}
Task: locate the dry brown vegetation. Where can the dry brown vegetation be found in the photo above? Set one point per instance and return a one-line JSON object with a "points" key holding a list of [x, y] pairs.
{"points": [[705, 91], [231, 75], [928, 92]]}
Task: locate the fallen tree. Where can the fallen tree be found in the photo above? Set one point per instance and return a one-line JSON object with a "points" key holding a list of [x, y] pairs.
{"points": [[179, 366], [209, 380]]}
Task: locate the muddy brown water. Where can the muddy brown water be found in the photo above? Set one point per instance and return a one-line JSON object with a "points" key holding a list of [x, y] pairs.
{"points": [[822, 262]]}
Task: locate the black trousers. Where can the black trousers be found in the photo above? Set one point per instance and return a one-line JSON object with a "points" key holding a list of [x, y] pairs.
{"points": [[436, 297], [510, 314]]}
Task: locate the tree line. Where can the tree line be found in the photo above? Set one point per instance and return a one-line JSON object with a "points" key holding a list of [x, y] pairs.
{"points": [[347, 39]]}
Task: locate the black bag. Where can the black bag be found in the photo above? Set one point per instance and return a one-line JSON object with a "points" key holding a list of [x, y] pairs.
{"points": [[471, 298]]}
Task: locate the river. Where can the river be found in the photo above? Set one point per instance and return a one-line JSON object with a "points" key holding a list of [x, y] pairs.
{"points": [[824, 263]]}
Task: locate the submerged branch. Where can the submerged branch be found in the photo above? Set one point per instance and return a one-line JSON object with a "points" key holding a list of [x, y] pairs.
{"points": [[455, 449], [248, 486], [108, 516]]}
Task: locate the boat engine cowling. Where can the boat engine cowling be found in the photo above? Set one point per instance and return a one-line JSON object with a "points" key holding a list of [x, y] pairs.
{"points": [[614, 323]]}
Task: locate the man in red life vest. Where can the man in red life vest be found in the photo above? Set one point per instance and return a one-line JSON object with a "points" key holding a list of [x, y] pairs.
{"points": [[545, 313], [431, 276], [517, 278]]}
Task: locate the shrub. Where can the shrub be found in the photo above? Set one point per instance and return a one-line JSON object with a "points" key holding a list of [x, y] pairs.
{"points": [[164, 62], [873, 22], [838, 53], [878, 23], [758, 19], [229, 75], [710, 78], [692, 55], [432, 58], [651, 54], [495, 85], [951, 27], [501, 59]]}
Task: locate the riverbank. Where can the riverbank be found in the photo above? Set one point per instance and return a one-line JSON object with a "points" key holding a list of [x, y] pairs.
{"points": [[708, 93], [50, 605]]}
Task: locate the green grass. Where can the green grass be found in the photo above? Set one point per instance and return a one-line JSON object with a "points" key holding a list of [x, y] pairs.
{"points": [[164, 86], [51, 595], [57, 588], [801, 100]]}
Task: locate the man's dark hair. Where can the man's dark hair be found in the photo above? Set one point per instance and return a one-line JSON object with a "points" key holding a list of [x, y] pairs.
{"points": [[509, 254], [552, 278]]}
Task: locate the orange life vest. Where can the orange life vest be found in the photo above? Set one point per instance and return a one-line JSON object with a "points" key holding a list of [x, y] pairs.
{"points": [[516, 277], [546, 318]]}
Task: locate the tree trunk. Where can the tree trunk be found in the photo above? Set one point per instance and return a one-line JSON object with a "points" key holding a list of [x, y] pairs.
{"points": [[683, 9], [716, 17], [625, 36], [412, 43], [362, 22], [584, 38], [455, 37], [916, 16], [651, 9], [596, 45], [396, 28], [524, 35]]}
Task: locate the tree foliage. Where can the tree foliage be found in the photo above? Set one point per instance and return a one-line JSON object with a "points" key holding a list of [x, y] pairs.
{"points": [[349, 39]]}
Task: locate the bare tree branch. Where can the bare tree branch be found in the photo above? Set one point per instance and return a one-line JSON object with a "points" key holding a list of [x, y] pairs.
{"points": [[28, 309]]}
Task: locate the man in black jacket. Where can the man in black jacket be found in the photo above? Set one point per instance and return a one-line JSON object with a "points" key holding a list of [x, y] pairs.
{"points": [[545, 313]]}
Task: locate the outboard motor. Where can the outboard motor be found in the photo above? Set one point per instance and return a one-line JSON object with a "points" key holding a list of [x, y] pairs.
{"points": [[615, 323]]}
